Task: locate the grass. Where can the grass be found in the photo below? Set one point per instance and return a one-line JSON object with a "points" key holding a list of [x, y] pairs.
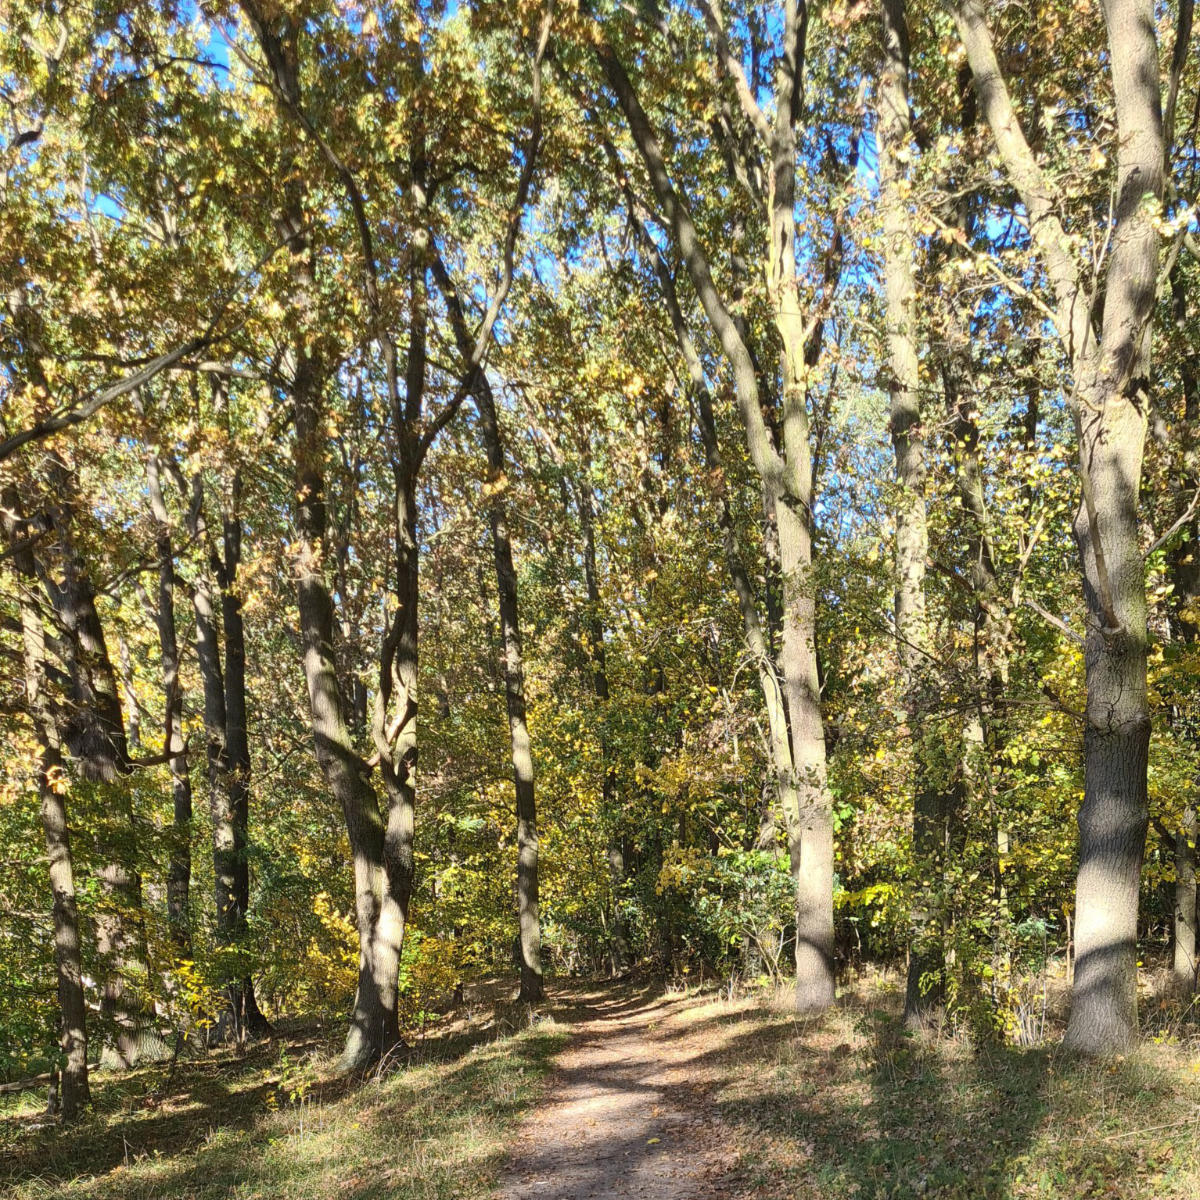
{"points": [[845, 1107], [850, 1105], [279, 1123]]}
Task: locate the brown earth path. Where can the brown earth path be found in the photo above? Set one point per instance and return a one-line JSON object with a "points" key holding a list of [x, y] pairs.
{"points": [[624, 1114]]}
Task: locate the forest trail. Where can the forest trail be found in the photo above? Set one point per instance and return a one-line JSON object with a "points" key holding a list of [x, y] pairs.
{"points": [[625, 1113]]}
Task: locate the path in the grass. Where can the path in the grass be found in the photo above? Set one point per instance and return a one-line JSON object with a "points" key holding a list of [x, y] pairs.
{"points": [[623, 1115]]}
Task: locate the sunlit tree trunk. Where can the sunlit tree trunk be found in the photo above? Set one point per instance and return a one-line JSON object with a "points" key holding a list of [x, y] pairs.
{"points": [[783, 463], [926, 963], [94, 737], [529, 927], [1109, 397], [514, 686]]}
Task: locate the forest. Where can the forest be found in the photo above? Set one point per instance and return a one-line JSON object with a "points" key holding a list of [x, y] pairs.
{"points": [[510, 507]]}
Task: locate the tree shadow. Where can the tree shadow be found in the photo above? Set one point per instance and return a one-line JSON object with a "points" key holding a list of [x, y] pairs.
{"points": [[883, 1114]]}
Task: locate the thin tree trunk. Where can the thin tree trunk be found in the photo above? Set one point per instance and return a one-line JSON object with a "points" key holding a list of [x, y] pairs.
{"points": [[529, 927], [786, 473], [208, 656], [237, 755], [532, 989], [179, 867], [1184, 564], [610, 805], [926, 962], [1184, 963]]}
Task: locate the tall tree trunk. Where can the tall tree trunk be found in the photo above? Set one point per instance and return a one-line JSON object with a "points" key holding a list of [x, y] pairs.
{"points": [[610, 805], [1109, 397], [374, 1028], [782, 459], [1184, 564], [248, 1016], [1111, 421], [52, 790], [529, 927], [94, 736], [532, 989], [208, 656], [179, 866], [381, 842], [926, 963]]}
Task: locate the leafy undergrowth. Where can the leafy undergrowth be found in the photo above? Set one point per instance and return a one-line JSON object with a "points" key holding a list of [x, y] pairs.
{"points": [[850, 1105], [279, 1122]]}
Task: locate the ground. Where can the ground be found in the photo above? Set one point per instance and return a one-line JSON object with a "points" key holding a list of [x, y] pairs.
{"points": [[629, 1091]]}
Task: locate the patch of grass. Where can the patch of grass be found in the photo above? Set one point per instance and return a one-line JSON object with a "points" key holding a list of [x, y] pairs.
{"points": [[279, 1123], [851, 1105]]}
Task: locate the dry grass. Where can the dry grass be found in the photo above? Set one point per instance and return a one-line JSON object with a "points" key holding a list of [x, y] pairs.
{"points": [[850, 1105], [845, 1106], [279, 1123]]}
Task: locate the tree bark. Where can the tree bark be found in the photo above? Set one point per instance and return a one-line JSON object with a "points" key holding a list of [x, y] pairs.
{"points": [[784, 467], [532, 989], [926, 962], [529, 927], [247, 1015], [610, 804], [1111, 424], [179, 867], [1109, 397], [52, 789], [1184, 965], [374, 1028], [94, 737]]}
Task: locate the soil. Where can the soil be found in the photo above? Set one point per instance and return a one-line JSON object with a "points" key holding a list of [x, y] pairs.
{"points": [[624, 1114]]}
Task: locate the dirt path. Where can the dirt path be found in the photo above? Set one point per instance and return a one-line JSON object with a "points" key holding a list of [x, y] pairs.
{"points": [[623, 1115]]}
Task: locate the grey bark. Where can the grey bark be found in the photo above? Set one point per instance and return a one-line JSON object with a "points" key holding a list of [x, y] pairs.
{"points": [[529, 927], [783, 465], [926, 963], [381, 842], [1109, 398]]}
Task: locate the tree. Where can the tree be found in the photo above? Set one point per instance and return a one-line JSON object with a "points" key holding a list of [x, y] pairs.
{"points": [[1108, 353]]}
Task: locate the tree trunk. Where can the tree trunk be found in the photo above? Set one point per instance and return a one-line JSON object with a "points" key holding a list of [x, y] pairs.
{"points": [[179, 867], [94, 737], [1184, 564], [532, 989], [248, 1017], [609, 802], [783, 462], [529, 927], [1111, 421], [374, 1027], [926, 960], [52, 787], [208, 655], [1184, 963], [1109, 397]]}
